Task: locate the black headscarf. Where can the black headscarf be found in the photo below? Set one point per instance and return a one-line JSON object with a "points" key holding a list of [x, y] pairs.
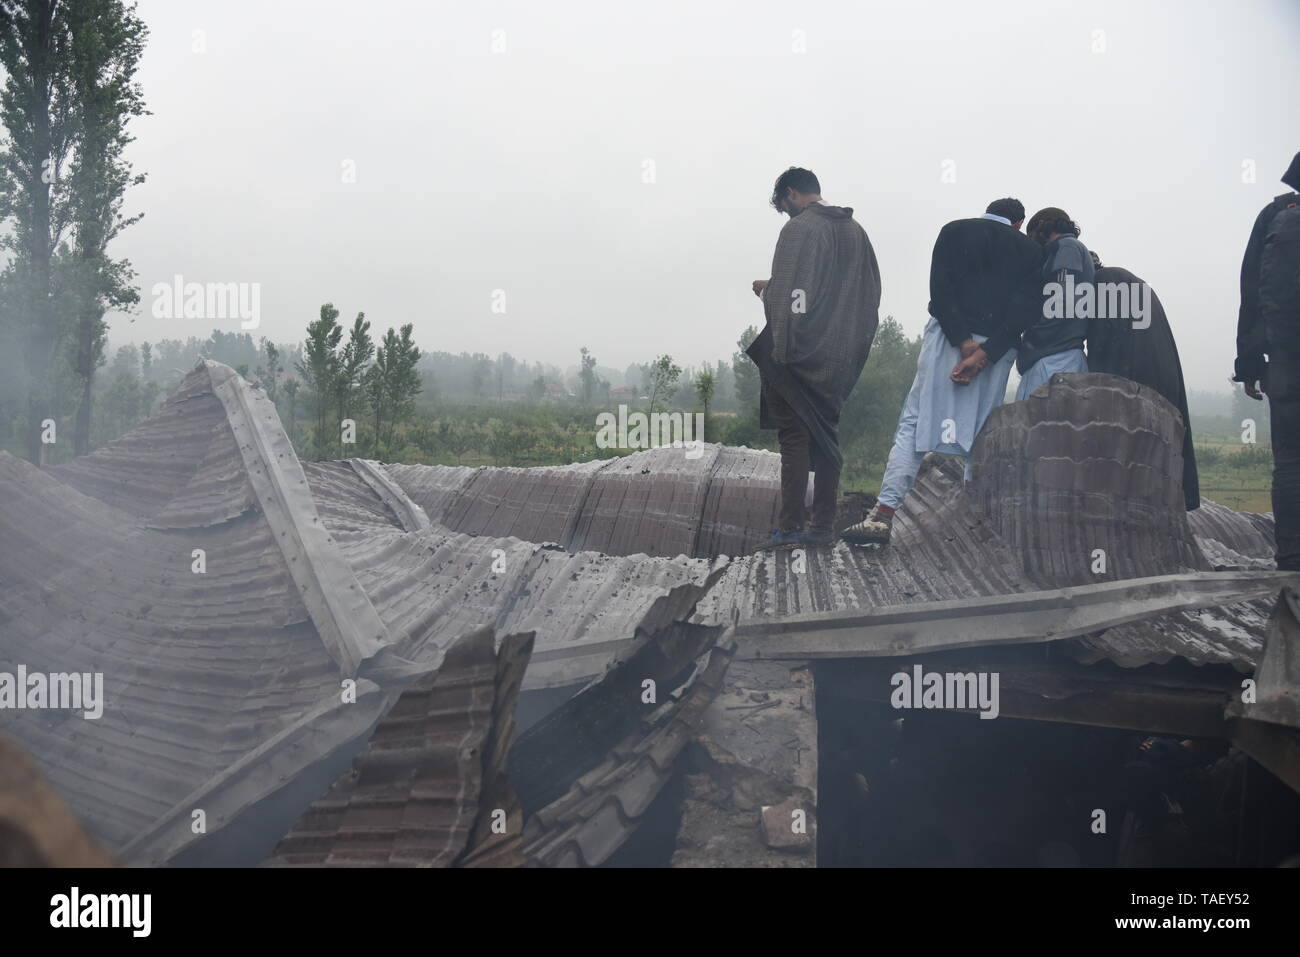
{"points": [[1292, 175]]}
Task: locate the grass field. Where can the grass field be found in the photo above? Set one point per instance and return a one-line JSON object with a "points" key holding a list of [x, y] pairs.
{"points": [[1231, 474], [1238, 476]]}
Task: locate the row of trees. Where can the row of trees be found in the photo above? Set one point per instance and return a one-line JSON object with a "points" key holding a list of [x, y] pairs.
{"points": [[348, 381], [478, 377], [68, 99]]}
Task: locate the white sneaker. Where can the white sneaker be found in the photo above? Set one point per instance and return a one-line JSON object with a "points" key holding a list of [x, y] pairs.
{"points": [[872, 530]]}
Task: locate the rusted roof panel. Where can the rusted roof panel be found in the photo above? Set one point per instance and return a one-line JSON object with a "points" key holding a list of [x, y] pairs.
{"points": [[422, 792]]}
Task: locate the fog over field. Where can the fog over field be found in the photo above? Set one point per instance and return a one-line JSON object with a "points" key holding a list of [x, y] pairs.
{"points": [[600, 172]]}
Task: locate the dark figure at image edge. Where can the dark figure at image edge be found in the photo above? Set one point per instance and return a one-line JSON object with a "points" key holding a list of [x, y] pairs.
{"points": [[1268, 325]]}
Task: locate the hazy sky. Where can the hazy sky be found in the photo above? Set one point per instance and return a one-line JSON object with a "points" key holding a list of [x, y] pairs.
{"points": [[524, 169]]}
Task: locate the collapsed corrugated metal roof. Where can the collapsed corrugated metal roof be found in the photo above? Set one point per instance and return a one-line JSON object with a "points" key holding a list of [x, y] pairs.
{"points": [[224, 591], [223, 687], [1104, 452], [670, 501], [431, 789], [217, 686]]}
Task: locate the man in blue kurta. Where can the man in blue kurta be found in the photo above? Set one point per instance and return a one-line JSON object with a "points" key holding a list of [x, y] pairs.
{"points": [[984, 290]]}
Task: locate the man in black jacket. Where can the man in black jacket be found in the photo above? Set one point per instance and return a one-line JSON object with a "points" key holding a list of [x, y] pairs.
{"points": [[1279, 304], [984, 291], [1269, 322]]}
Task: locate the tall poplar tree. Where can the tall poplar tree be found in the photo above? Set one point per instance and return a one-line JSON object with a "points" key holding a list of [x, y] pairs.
{"points": [[36, 108]]}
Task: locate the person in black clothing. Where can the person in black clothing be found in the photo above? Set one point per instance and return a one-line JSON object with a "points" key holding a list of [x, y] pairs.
{"points": [[1145, 352], [984, 291], [1279, 304], [1250, 329], [1269, 324]]}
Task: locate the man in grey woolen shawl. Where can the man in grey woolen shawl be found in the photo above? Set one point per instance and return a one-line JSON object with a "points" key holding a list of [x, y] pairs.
{"points": [[822, 307]]}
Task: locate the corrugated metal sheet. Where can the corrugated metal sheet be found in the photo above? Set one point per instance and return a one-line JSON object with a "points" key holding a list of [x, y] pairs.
{"points": [[942, 548], [1233, 541], [1277, 693], [150, 466], [433, 487], [705, 502], [1091, 462], [586, 825], [433, 585], [222, 687], [424, 790], [199, 669], [579, 734], [1090, 467]]}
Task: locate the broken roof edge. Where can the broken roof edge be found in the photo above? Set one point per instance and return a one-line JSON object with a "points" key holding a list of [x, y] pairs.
{"points": [[434, 726], [588, 662], [1033, 617], [409, 514], [345, 619], [1276, 695]]}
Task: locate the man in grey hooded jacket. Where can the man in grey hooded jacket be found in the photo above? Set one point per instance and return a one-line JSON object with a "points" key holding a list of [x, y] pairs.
{"points": [[822, 308]]}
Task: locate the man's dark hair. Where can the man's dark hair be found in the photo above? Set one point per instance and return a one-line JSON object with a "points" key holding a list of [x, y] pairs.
{"points": [[1008, 208], [803, 180], [1051, 220]]}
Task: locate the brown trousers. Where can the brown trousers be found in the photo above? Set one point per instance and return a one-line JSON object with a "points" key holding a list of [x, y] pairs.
{"points": [[798, 455]]}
